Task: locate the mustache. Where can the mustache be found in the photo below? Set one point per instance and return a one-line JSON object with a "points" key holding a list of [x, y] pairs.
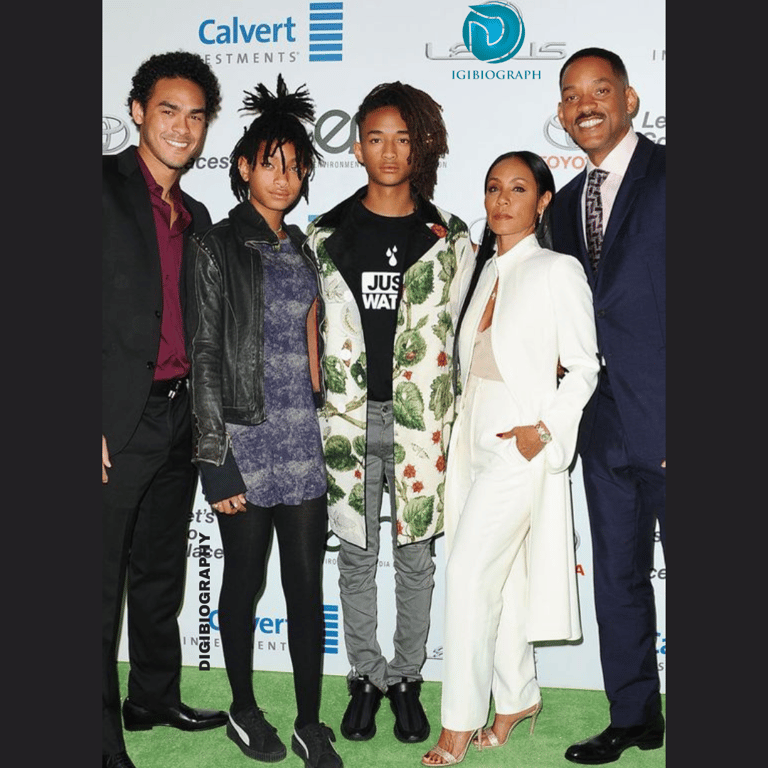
{"points": [[588, 115]]}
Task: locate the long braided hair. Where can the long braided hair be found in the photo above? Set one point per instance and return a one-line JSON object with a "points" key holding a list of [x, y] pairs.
{"points": [[423, 117]]}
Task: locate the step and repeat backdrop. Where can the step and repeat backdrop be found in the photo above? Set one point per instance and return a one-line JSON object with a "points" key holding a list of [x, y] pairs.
{"points": [[341, 50]]}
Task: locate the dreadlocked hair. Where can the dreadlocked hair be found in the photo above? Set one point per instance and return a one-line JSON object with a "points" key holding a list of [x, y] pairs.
{"points": [[423, 118], [280, 120]]}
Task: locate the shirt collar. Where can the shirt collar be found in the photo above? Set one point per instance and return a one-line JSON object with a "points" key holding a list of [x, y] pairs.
{"points": [[156, 193], [617, 160], [154, 188]]}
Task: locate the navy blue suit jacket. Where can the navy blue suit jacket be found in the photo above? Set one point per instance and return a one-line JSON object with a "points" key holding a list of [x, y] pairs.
{"points": [[629, 292]]}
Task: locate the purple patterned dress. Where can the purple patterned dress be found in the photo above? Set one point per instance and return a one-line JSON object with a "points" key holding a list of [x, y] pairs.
{"points": [[281, 459]]}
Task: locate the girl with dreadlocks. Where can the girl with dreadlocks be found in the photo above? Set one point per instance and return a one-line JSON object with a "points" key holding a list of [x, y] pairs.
{"points": [[252, 320]]}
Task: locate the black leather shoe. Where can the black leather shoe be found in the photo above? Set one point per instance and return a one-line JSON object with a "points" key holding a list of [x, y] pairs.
{"points": [[138, 718], [120, 760], [411, 724], [359, 723], [607, 746]]}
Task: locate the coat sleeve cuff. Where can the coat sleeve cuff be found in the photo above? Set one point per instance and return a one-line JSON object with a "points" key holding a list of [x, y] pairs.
{"points": [[221, 482]]}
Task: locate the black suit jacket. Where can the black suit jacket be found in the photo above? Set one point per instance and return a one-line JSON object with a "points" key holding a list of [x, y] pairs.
{"points": [[629, 291], [132, 297]]}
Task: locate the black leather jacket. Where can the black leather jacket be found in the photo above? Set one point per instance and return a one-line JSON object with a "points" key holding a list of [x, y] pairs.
{"points": [[224, 322]]}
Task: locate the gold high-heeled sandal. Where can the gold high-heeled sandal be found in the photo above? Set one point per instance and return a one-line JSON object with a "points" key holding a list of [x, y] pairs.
{"points": [[446, 755], [490, 736]]}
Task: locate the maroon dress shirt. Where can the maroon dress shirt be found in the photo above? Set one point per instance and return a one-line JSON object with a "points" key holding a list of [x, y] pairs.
{"points": [[172, 359]]}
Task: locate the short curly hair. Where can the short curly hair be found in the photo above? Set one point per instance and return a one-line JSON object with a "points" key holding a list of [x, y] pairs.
{"points": [[190, 66]]}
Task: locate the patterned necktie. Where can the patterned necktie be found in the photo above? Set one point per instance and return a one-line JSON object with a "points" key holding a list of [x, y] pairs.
{"points": [[594, 208]]}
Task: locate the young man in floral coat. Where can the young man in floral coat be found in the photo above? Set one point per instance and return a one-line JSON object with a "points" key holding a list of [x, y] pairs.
{"points": [[388, 259]]}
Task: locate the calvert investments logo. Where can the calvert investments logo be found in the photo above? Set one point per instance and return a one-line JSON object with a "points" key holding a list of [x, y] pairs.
{"points": [[261, 37], [326, 30], [494, 31], [331, 618], [115, 134]]}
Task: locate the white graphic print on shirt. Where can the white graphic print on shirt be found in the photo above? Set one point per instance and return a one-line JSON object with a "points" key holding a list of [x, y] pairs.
{"points": [[380, 289]]}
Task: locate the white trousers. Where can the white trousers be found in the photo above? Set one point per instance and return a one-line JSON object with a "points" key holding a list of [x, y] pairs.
{"points": [[487, 519]]}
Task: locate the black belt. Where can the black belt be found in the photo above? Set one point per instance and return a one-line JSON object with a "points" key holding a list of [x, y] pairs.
{"points": [[167, 387]]}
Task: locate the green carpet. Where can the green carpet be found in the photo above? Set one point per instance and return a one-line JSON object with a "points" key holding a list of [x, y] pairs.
{"points": [[567, 716]]}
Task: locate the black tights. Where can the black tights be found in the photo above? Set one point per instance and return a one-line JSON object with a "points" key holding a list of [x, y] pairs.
{"points": [[301, 532]]}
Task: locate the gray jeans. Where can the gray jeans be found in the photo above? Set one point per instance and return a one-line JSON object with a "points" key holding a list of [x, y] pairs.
{"points": [[414, 574]]}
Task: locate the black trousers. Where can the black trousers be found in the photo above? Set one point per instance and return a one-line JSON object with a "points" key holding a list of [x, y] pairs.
{"points": [[625, 497], [301, 535], [147, 506]]}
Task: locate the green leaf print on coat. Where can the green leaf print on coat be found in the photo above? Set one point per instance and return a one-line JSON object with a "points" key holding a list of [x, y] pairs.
{"points": [[338, 453], [358, 372], [335, 379], [408, 406], [324, 260], [410, 348], [358, 446], [441, 398], [357, 498], [443, 326], [447, 261], [399, 453], [418, 514], [419, 281], [456, 228], [440, 506], [335, 494]]}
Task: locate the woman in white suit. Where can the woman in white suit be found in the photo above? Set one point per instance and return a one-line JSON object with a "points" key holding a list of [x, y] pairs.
{"points": [[511, 573]]}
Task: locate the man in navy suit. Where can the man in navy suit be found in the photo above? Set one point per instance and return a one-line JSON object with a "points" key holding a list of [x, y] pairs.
{"points": [[612, 218], [147, 474]]}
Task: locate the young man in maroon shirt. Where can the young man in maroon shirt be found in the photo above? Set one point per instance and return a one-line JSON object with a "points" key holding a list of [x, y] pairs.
{"points": [[147, 476]]}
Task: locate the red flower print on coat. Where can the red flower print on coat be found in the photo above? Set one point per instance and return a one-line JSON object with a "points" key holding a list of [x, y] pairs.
{"points": [[408, 375], [409, 471], [442, 359], [439, 230], [436, 437], [440, 464], [358, 474], [418, 486]]}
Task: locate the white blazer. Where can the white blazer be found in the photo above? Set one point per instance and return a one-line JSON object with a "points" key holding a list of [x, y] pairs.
{"points": [[543, 313]]}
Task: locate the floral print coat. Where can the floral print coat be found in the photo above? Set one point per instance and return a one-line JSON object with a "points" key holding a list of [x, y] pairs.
{"points": [[423, 397]]}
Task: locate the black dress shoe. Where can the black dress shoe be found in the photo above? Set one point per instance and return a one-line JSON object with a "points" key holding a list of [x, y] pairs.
{"points": [[358, 723], [120, 760], [411, 724], [138, 718], [607, 746]]}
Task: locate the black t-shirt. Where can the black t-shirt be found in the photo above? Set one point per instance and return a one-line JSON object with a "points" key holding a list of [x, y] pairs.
{"points": [[374, 274]]}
